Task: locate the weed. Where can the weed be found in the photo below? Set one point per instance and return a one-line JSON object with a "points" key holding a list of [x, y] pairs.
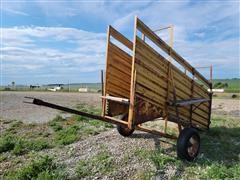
{"points": [[23, 146], [3, 157], [161, 160], [41, 168], [102, 163], [6, 143], [67, 135]]}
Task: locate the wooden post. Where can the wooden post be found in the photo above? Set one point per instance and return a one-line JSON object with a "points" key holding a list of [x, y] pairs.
{"points": [[105, 84], [133, 80]]}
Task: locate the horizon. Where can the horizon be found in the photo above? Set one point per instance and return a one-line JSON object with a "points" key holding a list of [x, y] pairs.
{"points": [[47, 42], [78, 83]]}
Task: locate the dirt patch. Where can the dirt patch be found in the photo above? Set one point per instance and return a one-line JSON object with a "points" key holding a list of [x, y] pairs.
{"points": [[12, 106], [228, 107]]}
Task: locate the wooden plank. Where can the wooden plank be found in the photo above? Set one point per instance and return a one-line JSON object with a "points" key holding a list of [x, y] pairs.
{"points": [[114, 90], [185, 117], [114, 67], [120, 53], [153, 56], [165, 47], [151, 67], [154, 102], [152, 75], [133, 81], [121, 38], [116, 85], [180, 76], [106, 74], [119, 65], [186, 112], [151, 84], [117, 99], [141, 90], [119, 79]]}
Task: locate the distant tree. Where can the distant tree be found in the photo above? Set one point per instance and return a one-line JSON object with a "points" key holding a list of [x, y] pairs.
{"points": [[216, 85], [226, 85]]}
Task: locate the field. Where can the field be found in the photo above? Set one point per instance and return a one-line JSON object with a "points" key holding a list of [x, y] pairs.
{"points": [[233, 85], [40, 143]]}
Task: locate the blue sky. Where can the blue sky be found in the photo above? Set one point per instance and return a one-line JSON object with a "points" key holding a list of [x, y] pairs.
{"points": [[64, 41]]}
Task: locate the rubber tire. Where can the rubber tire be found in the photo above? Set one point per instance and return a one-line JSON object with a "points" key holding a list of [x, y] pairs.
{"points": [[124, 131], [182, 143]]}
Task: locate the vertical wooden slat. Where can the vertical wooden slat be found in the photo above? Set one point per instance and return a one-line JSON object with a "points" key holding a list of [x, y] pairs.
{"points": [[106, 74], [133, 80]]}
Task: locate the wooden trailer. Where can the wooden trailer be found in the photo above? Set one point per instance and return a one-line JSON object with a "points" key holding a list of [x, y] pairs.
{"points": [[142, 85]]}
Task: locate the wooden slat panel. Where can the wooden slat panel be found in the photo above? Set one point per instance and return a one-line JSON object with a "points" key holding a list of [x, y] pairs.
{"points": [[149, 100], [149, 94], [118, 36], [147, 52], [151, 84], [118, 71], [152, 75], [165, 47], [118, 65], [120, 53], [121, 82], [115, 88]]}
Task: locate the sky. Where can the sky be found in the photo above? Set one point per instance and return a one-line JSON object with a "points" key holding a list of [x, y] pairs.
{"points": [[65, 41]]}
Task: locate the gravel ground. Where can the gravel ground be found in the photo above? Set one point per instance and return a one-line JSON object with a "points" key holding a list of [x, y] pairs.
{"points": [[228, 107], [12, 106], [122, 149]]}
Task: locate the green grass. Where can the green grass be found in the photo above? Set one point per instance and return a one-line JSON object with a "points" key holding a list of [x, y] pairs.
{"points": [[40, 168], [20, 138], [233, 84], [6, 143], [219, 156], [67, 131], [18, 145], [101, 164], [24, 146]]}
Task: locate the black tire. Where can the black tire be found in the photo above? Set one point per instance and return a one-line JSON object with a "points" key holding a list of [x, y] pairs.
{"points": [[188, 144], [124, 131]]}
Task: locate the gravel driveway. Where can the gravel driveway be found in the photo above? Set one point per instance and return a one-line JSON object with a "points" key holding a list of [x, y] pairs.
{"points": [[12, 106]]}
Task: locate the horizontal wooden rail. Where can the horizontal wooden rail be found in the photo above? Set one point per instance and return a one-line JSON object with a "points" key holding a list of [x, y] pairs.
{"points": [[171, 52], [121, 38]]}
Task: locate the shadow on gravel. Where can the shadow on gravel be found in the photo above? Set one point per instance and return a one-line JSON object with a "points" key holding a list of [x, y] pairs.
{"points": [[157, 139]]}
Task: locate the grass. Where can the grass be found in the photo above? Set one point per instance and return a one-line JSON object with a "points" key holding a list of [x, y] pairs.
{"points": [[101, 164], [20, 138], [233, 84], [40, 168], [67, 131], [219, 156]]}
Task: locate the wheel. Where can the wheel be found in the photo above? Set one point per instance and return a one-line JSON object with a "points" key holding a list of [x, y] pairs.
{"points": [[188, 144], [124, 131]]}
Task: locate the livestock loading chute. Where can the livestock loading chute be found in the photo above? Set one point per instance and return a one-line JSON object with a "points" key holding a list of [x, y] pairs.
{"points": [[142, 85]]}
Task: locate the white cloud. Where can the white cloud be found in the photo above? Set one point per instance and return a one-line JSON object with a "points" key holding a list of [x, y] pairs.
{"points": [[204, 33], [15, 12], [26, 51]]}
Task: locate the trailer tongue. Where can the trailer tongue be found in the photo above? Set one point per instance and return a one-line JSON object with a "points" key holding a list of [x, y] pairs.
{"points": [[141, 85]]}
